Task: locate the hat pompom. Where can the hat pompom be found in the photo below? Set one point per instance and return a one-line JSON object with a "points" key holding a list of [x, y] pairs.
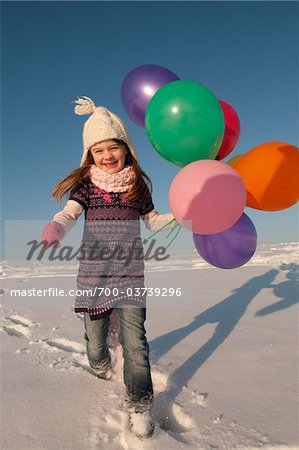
{"points": [[85, 105]]}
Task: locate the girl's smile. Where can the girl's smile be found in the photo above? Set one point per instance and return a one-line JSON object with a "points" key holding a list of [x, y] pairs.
{"points": [[109, 155]]}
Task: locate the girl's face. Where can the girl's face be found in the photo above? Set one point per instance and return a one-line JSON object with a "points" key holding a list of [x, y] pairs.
{"points": [[109, 155]]}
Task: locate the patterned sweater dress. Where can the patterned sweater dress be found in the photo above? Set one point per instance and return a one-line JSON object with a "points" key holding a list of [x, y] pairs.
{"points": [[111, 268]]}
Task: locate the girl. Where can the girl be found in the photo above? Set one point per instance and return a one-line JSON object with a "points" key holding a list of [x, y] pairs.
{"points": [[112, 190]]}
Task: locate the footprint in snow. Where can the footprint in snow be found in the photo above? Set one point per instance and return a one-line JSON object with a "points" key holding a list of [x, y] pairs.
{"points": [[20, 326], [16, 325], [170, 416], [16, 330], [79, 357], [66, 345], [19, 320]]}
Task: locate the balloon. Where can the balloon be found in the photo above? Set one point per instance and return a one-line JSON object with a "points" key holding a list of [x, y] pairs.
{"points": [[271, 173], [231, 132], [140, 85], [184, 122], [210, 194], [233, 161], [231, 248]]}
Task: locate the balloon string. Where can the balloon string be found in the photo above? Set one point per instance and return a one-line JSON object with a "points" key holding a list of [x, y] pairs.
{"points": [[173, 238], [168, 223], [172, 230]]}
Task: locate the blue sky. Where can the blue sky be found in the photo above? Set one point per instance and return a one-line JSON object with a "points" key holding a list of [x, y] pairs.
{"points": [[246, 53]]}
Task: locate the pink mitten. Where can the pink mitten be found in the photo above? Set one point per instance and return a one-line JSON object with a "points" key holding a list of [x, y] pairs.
{"points": [[52, 234]]}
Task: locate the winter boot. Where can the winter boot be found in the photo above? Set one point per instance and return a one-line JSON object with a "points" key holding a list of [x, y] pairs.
{"points": [[140, 422], [104, 374]]}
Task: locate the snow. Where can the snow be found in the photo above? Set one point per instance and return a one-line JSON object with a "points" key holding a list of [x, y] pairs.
{"points": [[140, 423], [224, 368]]}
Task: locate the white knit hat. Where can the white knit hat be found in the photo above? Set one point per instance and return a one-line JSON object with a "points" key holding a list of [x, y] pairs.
{"points": [[101, 126]]}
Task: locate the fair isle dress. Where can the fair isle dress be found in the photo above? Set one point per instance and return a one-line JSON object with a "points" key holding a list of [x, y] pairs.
{"points": [[111, 268]]}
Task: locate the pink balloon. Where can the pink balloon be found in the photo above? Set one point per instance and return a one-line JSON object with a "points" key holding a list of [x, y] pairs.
{"points": [[231, 131], [209, 194]]}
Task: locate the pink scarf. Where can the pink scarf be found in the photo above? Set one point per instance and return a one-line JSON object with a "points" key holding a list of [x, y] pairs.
{"points": [[112, 182]]}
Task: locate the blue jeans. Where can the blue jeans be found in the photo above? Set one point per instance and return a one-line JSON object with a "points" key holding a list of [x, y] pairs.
{"points": [[132, 337]]}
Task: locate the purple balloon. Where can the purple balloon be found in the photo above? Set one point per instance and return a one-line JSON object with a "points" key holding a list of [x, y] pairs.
{"points": [[231, 248], [140, 85]]}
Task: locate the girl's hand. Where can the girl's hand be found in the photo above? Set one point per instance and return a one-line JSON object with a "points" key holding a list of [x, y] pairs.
{"points": [[52, 234]]}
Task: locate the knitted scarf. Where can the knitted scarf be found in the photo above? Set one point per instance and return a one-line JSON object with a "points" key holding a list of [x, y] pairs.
{"points": [[112, 182]]}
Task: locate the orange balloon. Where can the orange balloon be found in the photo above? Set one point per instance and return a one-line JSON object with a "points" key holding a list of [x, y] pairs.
{"points": [[270, 172], [233, 161]]}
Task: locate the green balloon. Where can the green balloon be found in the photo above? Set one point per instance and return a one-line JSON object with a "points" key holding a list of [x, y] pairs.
{"points": [[184, 122]]}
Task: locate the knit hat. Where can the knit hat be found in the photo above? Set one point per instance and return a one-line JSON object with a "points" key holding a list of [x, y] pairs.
{"points": [[101, 126]]}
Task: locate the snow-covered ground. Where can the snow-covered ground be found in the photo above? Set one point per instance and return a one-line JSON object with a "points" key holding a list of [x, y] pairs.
{"points": [[224, 366]]}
